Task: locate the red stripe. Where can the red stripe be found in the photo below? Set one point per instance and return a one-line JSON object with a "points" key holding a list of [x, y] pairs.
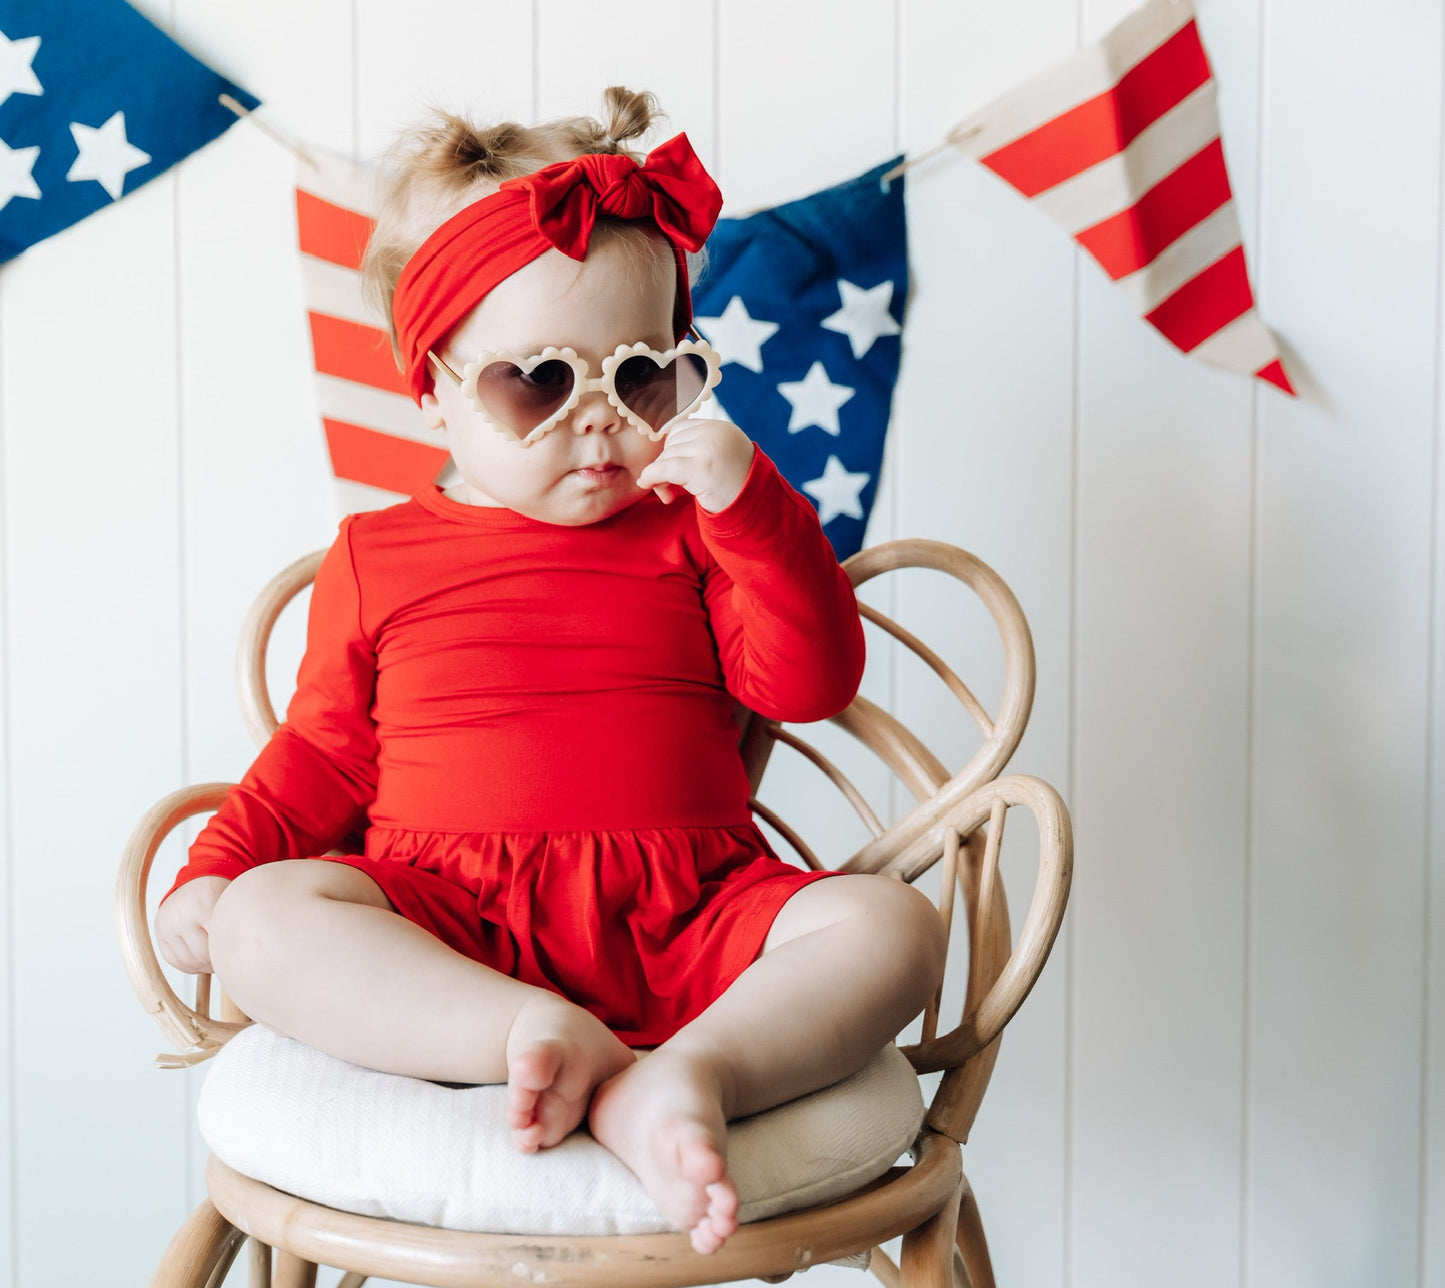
{"points": [[1107, 123], [329, 232], [1274, 373], [1125, 242], [381, 460], [354, 351], [1207, 301]]}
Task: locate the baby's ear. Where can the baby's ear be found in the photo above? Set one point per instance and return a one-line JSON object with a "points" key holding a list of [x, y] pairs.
{"points": [[431, 411]]}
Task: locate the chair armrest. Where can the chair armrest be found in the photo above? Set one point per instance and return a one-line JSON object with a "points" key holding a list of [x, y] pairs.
{"points": [[985, 1020], [256, 709], [185, 1026]]}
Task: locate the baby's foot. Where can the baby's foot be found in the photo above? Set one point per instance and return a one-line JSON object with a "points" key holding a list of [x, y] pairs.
{"points": [[663, 1117], [556, 1054]]}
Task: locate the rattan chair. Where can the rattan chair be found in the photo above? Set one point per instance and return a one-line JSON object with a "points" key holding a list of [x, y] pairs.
{"points": [[958, 821]]}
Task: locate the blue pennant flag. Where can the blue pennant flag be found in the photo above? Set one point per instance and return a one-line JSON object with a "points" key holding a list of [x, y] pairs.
{"points": [[804, 303], [94, 102]]}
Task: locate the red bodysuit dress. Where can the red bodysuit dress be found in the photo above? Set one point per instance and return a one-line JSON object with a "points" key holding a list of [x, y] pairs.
{"points": [[533, 725]]}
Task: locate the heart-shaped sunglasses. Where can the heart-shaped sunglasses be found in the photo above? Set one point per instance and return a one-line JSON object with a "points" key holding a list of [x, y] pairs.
{"points": [[522, 396]]}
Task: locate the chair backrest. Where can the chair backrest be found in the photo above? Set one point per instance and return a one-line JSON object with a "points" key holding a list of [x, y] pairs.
{"points": [[957, 820]]}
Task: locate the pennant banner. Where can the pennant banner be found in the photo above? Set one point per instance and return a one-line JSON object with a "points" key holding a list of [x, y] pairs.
{"points": [[804, 303], [380, 447], [94, 102], [1120, 144]]}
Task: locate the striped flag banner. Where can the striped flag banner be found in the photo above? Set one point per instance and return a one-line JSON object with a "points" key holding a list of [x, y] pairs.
{"points": [[1120, 144], [381, 449]]}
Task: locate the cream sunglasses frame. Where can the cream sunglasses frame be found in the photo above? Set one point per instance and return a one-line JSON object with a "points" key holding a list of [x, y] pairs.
{"points": [[584, 382]]}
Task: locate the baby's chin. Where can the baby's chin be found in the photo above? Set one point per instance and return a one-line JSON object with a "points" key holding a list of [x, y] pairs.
{"points": [[574, 507]]}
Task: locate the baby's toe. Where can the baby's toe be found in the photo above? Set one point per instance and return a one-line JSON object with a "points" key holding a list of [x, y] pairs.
{"points": [[704, 1239], [528, 1078], [722, 1208], [557, 1116]]}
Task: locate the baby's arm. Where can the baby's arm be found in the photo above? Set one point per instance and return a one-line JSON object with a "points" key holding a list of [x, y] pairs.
{"points": [[312, 782], [783, 611]]}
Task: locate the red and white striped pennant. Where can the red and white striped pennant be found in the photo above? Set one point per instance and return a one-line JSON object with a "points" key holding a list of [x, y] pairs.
{"points": [[380, 447], [1120, 144]]}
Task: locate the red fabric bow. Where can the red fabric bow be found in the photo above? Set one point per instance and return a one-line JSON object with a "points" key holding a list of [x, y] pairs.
{"points": [[670, 187], [556, 206]]}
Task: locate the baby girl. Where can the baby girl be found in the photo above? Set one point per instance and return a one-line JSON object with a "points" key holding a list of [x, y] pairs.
{"points": [[516, 712]]}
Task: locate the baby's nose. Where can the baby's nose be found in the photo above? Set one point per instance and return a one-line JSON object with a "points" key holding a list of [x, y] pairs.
{"points": [[594, 413]]}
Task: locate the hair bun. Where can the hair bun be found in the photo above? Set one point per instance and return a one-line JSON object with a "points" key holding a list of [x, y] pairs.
{"points": [[627, 114]]}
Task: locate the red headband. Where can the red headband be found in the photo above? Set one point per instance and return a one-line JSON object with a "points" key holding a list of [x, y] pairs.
{"points": [[557, 206]]}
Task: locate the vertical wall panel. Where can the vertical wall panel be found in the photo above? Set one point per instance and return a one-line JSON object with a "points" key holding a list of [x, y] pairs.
{"points": [[91, 529], [985, 455], [470, 57], [1432, 1046], [9, 1161], [1351, 272], [578, 57], [1163, 662]]}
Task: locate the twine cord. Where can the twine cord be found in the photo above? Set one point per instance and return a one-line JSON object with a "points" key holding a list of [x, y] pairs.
{"points": [[246, 114]]}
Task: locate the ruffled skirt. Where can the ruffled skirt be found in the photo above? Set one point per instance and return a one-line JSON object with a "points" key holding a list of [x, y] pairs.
{"points": [[644, 928]]}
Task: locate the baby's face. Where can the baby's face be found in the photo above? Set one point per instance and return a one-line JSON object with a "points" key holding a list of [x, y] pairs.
{"points": [[585, 468]]}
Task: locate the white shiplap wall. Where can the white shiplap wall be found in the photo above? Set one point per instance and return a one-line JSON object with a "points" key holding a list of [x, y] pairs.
{"points": [[1230, 1072]]}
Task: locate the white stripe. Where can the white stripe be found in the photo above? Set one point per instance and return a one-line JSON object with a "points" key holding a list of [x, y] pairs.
{"points": [[376, 409], [355, 497], [1209, 240], [1080, 77], [1243, 345], [329, 288], [1117, 182], [338, 180]]}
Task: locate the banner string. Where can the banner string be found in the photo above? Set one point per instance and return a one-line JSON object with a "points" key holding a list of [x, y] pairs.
{"points": [[246, 114], [954, 138]]}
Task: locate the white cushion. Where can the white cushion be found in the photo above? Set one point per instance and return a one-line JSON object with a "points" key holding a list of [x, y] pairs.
{"points": [[384, 1145]]}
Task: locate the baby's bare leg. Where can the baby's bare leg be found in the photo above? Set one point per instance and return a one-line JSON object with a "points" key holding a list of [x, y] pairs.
{"points": [[847, 963], [316, 951]]}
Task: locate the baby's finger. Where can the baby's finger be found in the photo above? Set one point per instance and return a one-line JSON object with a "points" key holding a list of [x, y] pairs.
{"points": [[665, 469], [198, 945], [177, 954], [665, 492]]}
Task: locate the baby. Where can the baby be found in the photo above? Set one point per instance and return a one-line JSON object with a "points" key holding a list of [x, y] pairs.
{"points": [[516, 707]]}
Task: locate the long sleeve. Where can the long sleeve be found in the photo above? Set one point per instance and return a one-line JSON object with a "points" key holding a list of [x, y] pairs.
{"points": [[312, 782], [782, 609]]}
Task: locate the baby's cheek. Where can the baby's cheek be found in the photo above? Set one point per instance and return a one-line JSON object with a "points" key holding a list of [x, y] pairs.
{"points": [[648, 451]]}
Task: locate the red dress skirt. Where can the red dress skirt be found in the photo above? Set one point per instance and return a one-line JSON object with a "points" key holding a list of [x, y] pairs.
{"points": [[643, 928]]}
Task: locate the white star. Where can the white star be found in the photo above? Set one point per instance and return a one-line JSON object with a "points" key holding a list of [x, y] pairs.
{"points": [[837, 491], [105, 154], [15, 177], [16, 74], [735, 335], [864, 315], [815, 400]]}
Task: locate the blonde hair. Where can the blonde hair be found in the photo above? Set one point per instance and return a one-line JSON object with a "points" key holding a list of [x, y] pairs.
{"points": [[436, 167]]}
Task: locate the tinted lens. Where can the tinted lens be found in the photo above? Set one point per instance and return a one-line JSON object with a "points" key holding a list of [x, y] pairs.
{"points": [[522, 400], [656, 394]]}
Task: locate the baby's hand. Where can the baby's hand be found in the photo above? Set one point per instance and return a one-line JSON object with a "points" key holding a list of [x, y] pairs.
{"points": [[182, 922], [710, 458]]}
